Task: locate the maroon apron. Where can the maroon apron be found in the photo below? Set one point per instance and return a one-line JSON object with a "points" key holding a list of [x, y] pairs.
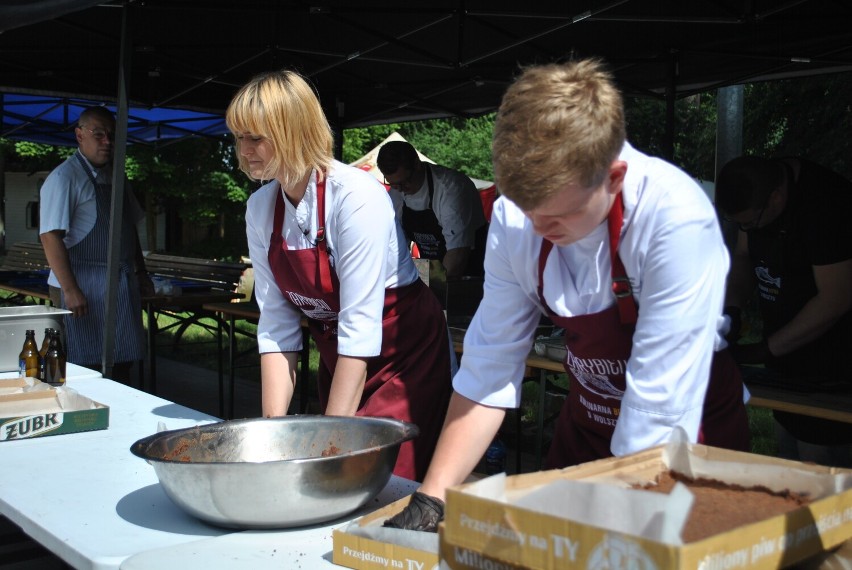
{"points": [[410, 380], [598, 347]]}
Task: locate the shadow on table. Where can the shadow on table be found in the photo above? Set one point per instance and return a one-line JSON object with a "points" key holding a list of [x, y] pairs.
{"points": [[149, 507], [178, 411]]}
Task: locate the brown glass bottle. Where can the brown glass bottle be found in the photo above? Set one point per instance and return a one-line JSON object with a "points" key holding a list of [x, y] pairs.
{"points": [[54, 362], [43, 351], [28, 358]]}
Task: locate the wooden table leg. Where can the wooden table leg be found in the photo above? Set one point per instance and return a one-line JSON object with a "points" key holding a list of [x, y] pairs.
{"points": [[539, 440], [232, 349], [304, 373], [151, 356], [219, 365]]}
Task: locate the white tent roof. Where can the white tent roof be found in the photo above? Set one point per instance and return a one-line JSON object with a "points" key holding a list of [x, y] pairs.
{"points": [[368, 162]]}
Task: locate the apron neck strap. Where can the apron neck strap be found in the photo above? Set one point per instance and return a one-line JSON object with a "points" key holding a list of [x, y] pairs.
{"points": [[621, 287], [322, 246], [86, 168]]}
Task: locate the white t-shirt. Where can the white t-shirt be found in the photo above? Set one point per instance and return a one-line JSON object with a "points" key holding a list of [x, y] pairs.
{"points": [[367, 250], [67, 202], [674, 254], [456, 204]]}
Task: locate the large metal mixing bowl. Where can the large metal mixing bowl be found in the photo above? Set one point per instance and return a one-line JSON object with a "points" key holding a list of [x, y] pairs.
{"points": [[275, 472]]}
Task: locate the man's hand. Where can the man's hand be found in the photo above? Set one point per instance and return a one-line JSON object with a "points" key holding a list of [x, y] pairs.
{"points": [[422, 513], [146, 285], [735, 325], [76, 302], [755, 353]]}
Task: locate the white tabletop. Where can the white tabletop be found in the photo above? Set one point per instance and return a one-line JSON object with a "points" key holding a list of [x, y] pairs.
{"points": [[305, 548], [72, 371], [87, 499], [84, 496]]}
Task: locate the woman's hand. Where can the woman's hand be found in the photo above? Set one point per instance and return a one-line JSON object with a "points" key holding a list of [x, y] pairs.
{"points": [[347, 386]]}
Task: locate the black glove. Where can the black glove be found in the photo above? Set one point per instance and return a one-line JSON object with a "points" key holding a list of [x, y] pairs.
{"points": [[422, 513], [735, 315], [755, 353]]}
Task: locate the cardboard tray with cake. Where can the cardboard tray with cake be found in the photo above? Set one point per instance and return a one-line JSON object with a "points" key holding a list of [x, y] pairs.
{"points": [[725, 509], [30, 408], [364, 544]]}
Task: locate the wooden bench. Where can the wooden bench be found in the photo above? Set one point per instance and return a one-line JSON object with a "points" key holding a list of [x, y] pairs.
{"points": [[24, 273], [25, 256], [828, 406], [194, 281], [196, 272]]}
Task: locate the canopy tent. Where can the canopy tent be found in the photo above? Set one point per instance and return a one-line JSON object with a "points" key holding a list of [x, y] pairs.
{"points": [[487, 189], [51, 120], [404, 61], [376, 61]]}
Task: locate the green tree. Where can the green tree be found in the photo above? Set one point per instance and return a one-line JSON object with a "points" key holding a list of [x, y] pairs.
{"points": [[808, 116], [199, 181], [463, 144], [358, 142], [24, 156], [694, 133]]}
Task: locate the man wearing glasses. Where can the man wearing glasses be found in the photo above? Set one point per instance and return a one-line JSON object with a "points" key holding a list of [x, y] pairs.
{"points": [[75, 210], [441, 211], [795, 247]]}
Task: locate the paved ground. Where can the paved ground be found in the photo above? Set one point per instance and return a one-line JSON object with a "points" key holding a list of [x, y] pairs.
{"points": [[198, 388]]}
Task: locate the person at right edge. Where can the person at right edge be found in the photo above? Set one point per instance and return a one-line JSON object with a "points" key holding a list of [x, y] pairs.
{"points": [[795, 247], [622, 250]]}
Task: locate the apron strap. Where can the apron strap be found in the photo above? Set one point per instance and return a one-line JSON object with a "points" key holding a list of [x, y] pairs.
{"points": [[621, 286], [322, 246], [431, 186], [546, 246]]}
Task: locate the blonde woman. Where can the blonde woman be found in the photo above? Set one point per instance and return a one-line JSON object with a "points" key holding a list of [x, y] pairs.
{"points": [[325, 244]]}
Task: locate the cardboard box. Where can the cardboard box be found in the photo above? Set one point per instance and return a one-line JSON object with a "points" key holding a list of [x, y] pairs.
{"points": [[454, 557], [14, 322], [29, 408], [484, 517], [355, 550]]}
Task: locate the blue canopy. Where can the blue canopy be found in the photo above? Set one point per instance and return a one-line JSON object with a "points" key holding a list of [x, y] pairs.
{"points": [[51, 120]]}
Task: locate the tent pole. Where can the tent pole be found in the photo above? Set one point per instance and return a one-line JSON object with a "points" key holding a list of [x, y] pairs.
{"points": [[729, 140], [671, 96], [117, 206]]}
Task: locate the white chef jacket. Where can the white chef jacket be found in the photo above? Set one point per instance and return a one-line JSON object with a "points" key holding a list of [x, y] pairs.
{"points": [[675, 257], [367, 250], [455, 202]]}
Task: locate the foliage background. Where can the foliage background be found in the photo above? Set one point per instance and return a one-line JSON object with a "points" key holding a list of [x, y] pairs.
{"points": [[197, 182]]}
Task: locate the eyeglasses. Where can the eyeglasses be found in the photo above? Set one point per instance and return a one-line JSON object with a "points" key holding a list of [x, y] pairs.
{"points": [[755, 221], [100, 134], [401, 183]]}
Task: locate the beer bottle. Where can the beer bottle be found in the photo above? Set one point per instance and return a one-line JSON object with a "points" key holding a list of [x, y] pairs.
{"points": [[54, 362], [28, 358], [44, 344]]}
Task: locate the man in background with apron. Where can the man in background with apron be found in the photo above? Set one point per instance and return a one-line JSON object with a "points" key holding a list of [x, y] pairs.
{"points": [[74, 230], [441, 210]]}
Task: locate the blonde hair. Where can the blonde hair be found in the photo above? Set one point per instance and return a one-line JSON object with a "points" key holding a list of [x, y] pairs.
{"points": [[281, 107], [558, 124]]}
